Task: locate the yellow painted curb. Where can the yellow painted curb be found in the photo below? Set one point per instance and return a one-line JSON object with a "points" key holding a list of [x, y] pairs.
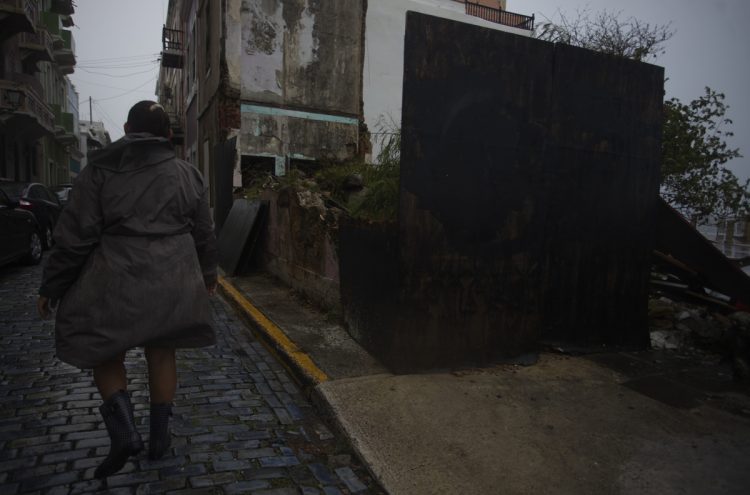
{"points": [[300, 359]]}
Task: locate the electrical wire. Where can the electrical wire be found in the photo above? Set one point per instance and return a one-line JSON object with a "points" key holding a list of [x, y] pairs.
{"points": [[89, 83], [106, 116], [117, 76], [116, 67], [128, 92], [118, 59]]}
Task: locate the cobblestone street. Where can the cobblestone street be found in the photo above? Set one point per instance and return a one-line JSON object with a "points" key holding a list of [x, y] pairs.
{"points": [[241, 424]]}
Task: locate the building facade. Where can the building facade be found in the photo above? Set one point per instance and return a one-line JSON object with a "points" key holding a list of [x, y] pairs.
{"points": [[92, 136], [38, 105], [283, 84]]}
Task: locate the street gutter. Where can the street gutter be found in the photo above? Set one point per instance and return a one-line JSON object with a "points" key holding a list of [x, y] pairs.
{"points": [[298, 362]]}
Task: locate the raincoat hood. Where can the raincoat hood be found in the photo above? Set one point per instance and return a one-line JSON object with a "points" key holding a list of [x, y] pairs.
{"points": [[132, 152]]}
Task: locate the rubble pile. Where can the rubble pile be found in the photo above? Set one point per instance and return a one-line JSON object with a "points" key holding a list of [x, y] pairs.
{"points": [[689, 328]]}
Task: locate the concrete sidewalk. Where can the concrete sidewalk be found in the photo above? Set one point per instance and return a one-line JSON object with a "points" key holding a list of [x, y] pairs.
{"points": [[639, 423]]}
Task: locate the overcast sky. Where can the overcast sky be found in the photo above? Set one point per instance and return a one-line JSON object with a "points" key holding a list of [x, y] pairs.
{"points": [[118, 44], [117, 48]]}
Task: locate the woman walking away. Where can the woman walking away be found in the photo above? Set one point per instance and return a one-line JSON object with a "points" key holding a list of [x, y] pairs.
{"points": [[133, 265]]}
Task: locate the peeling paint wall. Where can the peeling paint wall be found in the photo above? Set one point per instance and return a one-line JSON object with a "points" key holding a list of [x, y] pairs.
{"points": [[269, 131], [302, 53], [304, 56]]}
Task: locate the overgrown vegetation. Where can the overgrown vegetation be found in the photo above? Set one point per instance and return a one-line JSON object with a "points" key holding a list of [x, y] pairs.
{"points": [[607, 32], [694, 151], [367, 191], [378, 198]]}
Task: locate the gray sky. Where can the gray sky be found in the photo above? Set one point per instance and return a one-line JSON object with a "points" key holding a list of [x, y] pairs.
{"points": [[118, 42], [709, 48], [117, 48]]}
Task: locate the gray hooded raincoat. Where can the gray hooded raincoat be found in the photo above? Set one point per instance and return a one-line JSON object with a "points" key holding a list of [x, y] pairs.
{"points": [[135, 248]]}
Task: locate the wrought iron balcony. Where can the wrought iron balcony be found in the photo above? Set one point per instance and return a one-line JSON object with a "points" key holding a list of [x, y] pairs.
{"points": [[498, 16], [64, 52], [23, 109], [17, 16], [36, 47], [64, 131], [172, 47], [175, 123]]}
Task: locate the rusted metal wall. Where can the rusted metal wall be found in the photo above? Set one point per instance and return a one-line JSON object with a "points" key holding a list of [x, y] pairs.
{"points": [[529, 176], [602, 167]]}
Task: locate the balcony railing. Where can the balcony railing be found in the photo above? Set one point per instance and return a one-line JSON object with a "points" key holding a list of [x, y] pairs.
{"points": [[36, 46], [17, 16], [498, 16], [64, 131], [175, 123], [19, 102], [28, 80], [172, 46], [28, 7], [64, 51]]}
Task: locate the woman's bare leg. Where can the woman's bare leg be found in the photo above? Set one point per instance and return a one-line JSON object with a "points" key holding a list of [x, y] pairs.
{"points": [[162, 374], [110, 377], [162, 383]]}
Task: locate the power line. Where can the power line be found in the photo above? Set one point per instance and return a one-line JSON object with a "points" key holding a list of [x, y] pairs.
{"points": [[118, 59], [106, 116], [128, 92], [115, 67], [117, 75], [81, 81]]}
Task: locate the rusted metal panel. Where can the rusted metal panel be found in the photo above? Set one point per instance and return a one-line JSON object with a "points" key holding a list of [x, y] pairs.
{"points": [[601, 188], [678, 239], [239, 235], [475, 102], [529, 175]]}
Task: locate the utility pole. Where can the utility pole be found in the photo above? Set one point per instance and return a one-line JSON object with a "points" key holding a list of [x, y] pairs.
{"points": [[91, 118]]}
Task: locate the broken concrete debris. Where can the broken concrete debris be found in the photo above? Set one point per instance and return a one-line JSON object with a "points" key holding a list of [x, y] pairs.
{"points": [[689, 328]]}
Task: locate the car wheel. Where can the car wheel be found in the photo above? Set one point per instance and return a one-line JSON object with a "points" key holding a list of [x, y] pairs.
{"points": [[34, 256], [48, 240]]}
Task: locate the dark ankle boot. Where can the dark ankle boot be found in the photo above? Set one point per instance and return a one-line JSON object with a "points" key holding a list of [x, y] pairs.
{"points": [[160, 437], [117, 412]]}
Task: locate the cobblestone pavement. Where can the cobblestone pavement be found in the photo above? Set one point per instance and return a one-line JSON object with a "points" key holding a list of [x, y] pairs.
{"points": [[241, 424]]}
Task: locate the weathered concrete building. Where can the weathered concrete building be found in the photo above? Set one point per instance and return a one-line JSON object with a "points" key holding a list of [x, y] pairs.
{"points": [[92, 136], [295, 81], [38, 105], [266, 86]]}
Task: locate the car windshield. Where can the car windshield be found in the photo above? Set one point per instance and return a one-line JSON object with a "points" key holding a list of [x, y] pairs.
{"points": [[14, 190]]}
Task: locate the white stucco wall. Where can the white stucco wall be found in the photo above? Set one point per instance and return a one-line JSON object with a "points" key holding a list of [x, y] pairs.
{"points": [[383, 75]]}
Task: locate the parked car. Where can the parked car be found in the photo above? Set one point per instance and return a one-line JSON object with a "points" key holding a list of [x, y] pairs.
{"points": [[62, 191], [37, 199], [19, 234]]}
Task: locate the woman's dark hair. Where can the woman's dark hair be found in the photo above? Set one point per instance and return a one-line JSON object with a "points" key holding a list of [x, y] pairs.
{"points": [[148, 116]]}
